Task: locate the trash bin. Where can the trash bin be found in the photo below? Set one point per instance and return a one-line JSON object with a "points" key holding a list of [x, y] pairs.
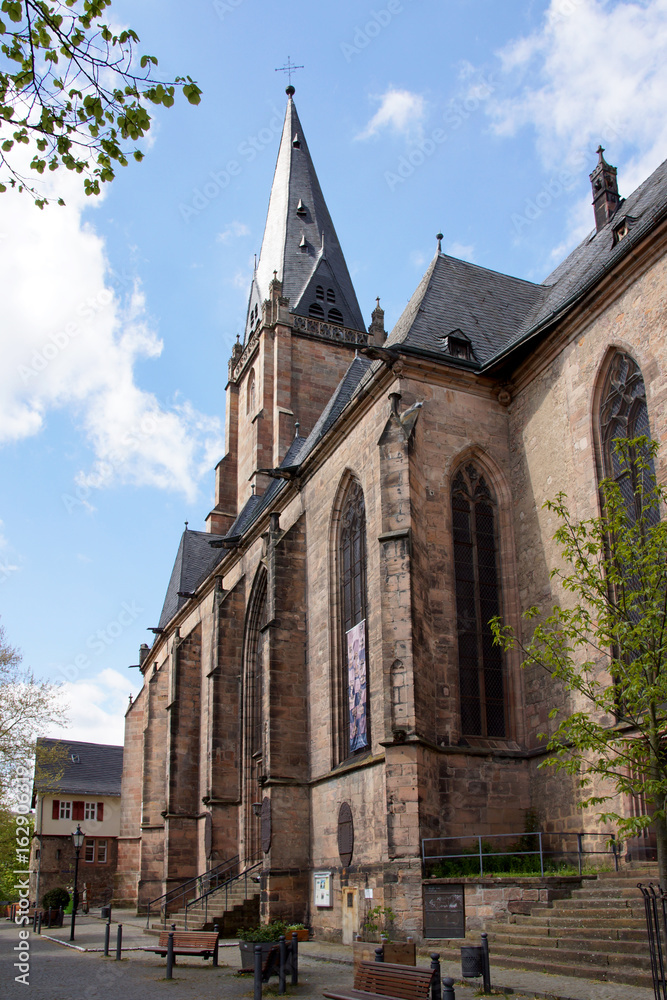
{"points": [[105, 913], [472, 961]]}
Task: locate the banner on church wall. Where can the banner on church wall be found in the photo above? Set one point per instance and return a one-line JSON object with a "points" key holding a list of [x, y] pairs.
{"points": [[356, 674]]}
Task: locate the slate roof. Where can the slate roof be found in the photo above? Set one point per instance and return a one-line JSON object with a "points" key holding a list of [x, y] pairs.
{"points": [[194, 561], [97, 769], [295, 182], [485, 305], [498, 312]]}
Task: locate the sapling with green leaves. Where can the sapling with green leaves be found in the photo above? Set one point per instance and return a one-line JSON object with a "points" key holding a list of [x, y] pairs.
{"points": [[606, 643]]}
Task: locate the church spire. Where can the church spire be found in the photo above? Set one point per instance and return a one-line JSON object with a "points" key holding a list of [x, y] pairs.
{"points": [[300, 241]]}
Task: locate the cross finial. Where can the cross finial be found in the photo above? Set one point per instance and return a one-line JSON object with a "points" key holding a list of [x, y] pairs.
{"points": [[289, 69]]}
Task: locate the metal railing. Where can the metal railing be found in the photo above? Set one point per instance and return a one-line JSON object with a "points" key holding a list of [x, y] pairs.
{"points": [[540, 852], [249, 866], [171, 900], [656, 928]]}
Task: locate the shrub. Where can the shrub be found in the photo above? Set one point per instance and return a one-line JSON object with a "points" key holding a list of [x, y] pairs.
{"points": [[265, 932], [55, 898]]}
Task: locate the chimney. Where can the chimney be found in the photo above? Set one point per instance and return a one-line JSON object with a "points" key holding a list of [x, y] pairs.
{"points": [[605, 191]]}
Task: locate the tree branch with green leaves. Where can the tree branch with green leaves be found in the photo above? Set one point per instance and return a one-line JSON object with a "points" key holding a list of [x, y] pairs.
{"points": [[606, 643], [76, 91]]}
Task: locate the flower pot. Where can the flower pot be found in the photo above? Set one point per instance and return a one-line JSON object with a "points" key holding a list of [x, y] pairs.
{"points": [[303, 934], [247, 949]]}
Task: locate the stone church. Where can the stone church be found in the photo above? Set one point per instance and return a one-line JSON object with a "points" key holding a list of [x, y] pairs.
{"points": [[322, 695]]}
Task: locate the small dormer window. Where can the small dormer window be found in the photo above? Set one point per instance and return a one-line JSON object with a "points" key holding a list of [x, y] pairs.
{"points": [[457, 345], [331, 295], [335, 316], [296, 142], [316, 310], [301, 208], [319, 293], [621, 230]]}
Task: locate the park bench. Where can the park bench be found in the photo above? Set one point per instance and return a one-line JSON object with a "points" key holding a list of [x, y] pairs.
{"points": [[204, 943], [384, 979]]}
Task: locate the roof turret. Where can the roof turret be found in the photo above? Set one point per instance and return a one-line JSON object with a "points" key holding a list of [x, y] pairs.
{"points": [[300, 241]]}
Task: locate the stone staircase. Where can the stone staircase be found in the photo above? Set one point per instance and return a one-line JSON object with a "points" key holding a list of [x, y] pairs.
{"points": [[599, 933], [230, 912]]}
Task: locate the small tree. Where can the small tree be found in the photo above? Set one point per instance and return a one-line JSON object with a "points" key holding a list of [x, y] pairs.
{"points": [[75, 89], [608, 646], [27, 708]]}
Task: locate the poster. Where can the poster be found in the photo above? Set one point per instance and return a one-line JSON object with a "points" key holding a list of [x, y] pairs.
{"points": [[322, 888], [356, 674]]}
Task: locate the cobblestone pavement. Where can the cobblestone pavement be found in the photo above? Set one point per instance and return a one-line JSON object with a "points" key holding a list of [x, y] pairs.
{"points": [[58, 972]]}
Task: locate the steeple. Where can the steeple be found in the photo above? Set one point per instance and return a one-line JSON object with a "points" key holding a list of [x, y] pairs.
{"points": [[300, 241], [605, 190]]}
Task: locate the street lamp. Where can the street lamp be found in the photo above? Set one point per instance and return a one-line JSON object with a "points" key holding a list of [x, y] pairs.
{"points": [[77, 840]]}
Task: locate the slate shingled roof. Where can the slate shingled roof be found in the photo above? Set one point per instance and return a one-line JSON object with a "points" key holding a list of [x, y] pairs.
{"points": [[497, 312], [194, 561], [298, 212], [95, 770], [488, 307]]}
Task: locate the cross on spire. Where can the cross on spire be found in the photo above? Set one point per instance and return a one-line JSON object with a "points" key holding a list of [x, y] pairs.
{"points": [[289, 69]]}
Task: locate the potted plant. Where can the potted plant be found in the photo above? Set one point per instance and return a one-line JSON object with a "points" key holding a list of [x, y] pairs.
{"points": [[299, 929], [265, 934]]}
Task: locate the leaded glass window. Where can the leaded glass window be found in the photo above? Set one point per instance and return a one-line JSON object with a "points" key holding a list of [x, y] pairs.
{"points": [[623, 414], [481, 681], [354, 735]]}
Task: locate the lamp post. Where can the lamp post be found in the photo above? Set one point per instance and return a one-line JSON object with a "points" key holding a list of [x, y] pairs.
{"points": [[77, 840]]}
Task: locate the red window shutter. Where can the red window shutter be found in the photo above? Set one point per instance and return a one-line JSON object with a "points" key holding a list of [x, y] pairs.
{"points": [[77, 810], [100, 811], [55, 811]]}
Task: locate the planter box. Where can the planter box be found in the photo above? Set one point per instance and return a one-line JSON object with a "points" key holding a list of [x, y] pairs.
{"points": [[303, 934], [400, 952], [247, 949]]}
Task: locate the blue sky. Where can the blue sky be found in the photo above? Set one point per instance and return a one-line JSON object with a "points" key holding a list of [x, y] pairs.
{"points": [[469, 117]]}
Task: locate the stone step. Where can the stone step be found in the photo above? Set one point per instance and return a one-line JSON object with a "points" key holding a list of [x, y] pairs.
{"points": [[601, 902], [525, 960], [581, 956], [564, 942], [602, 933], [582, 918]]}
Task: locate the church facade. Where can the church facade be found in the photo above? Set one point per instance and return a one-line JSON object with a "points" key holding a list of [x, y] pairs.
{"points": [[323, 694]]}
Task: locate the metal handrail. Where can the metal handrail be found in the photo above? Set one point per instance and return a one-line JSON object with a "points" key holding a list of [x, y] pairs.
{"points": [[226, 886], [173, 894], [656, 929], [540, 852]]}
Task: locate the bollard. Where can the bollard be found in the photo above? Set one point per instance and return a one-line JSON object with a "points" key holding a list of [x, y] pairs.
{"points": [[61, 916], [295, 958], [119, 941], [486, 968], [436, 990], [283, 962], [170, 955], [107, 932], [257, 995], [379, 954], [39, 923], [34, 921], [448, 989]]}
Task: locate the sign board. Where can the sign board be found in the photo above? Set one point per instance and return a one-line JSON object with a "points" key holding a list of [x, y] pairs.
{"points": [[322, 888], [444, 911]]}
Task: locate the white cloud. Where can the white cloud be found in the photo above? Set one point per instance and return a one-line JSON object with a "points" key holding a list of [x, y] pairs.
{"points": [[594, 72], [401, 111], [71, 337], [96, 707], [233, 231], [464, 251]]}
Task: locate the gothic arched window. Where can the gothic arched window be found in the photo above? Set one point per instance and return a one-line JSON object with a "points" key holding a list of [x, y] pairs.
{"points": [[481, 682], [354, 715], [623, 414], [251, 393]]}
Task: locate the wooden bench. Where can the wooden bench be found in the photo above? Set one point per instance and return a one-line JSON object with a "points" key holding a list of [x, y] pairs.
{"points": [[204, 943], [385, 979]]}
